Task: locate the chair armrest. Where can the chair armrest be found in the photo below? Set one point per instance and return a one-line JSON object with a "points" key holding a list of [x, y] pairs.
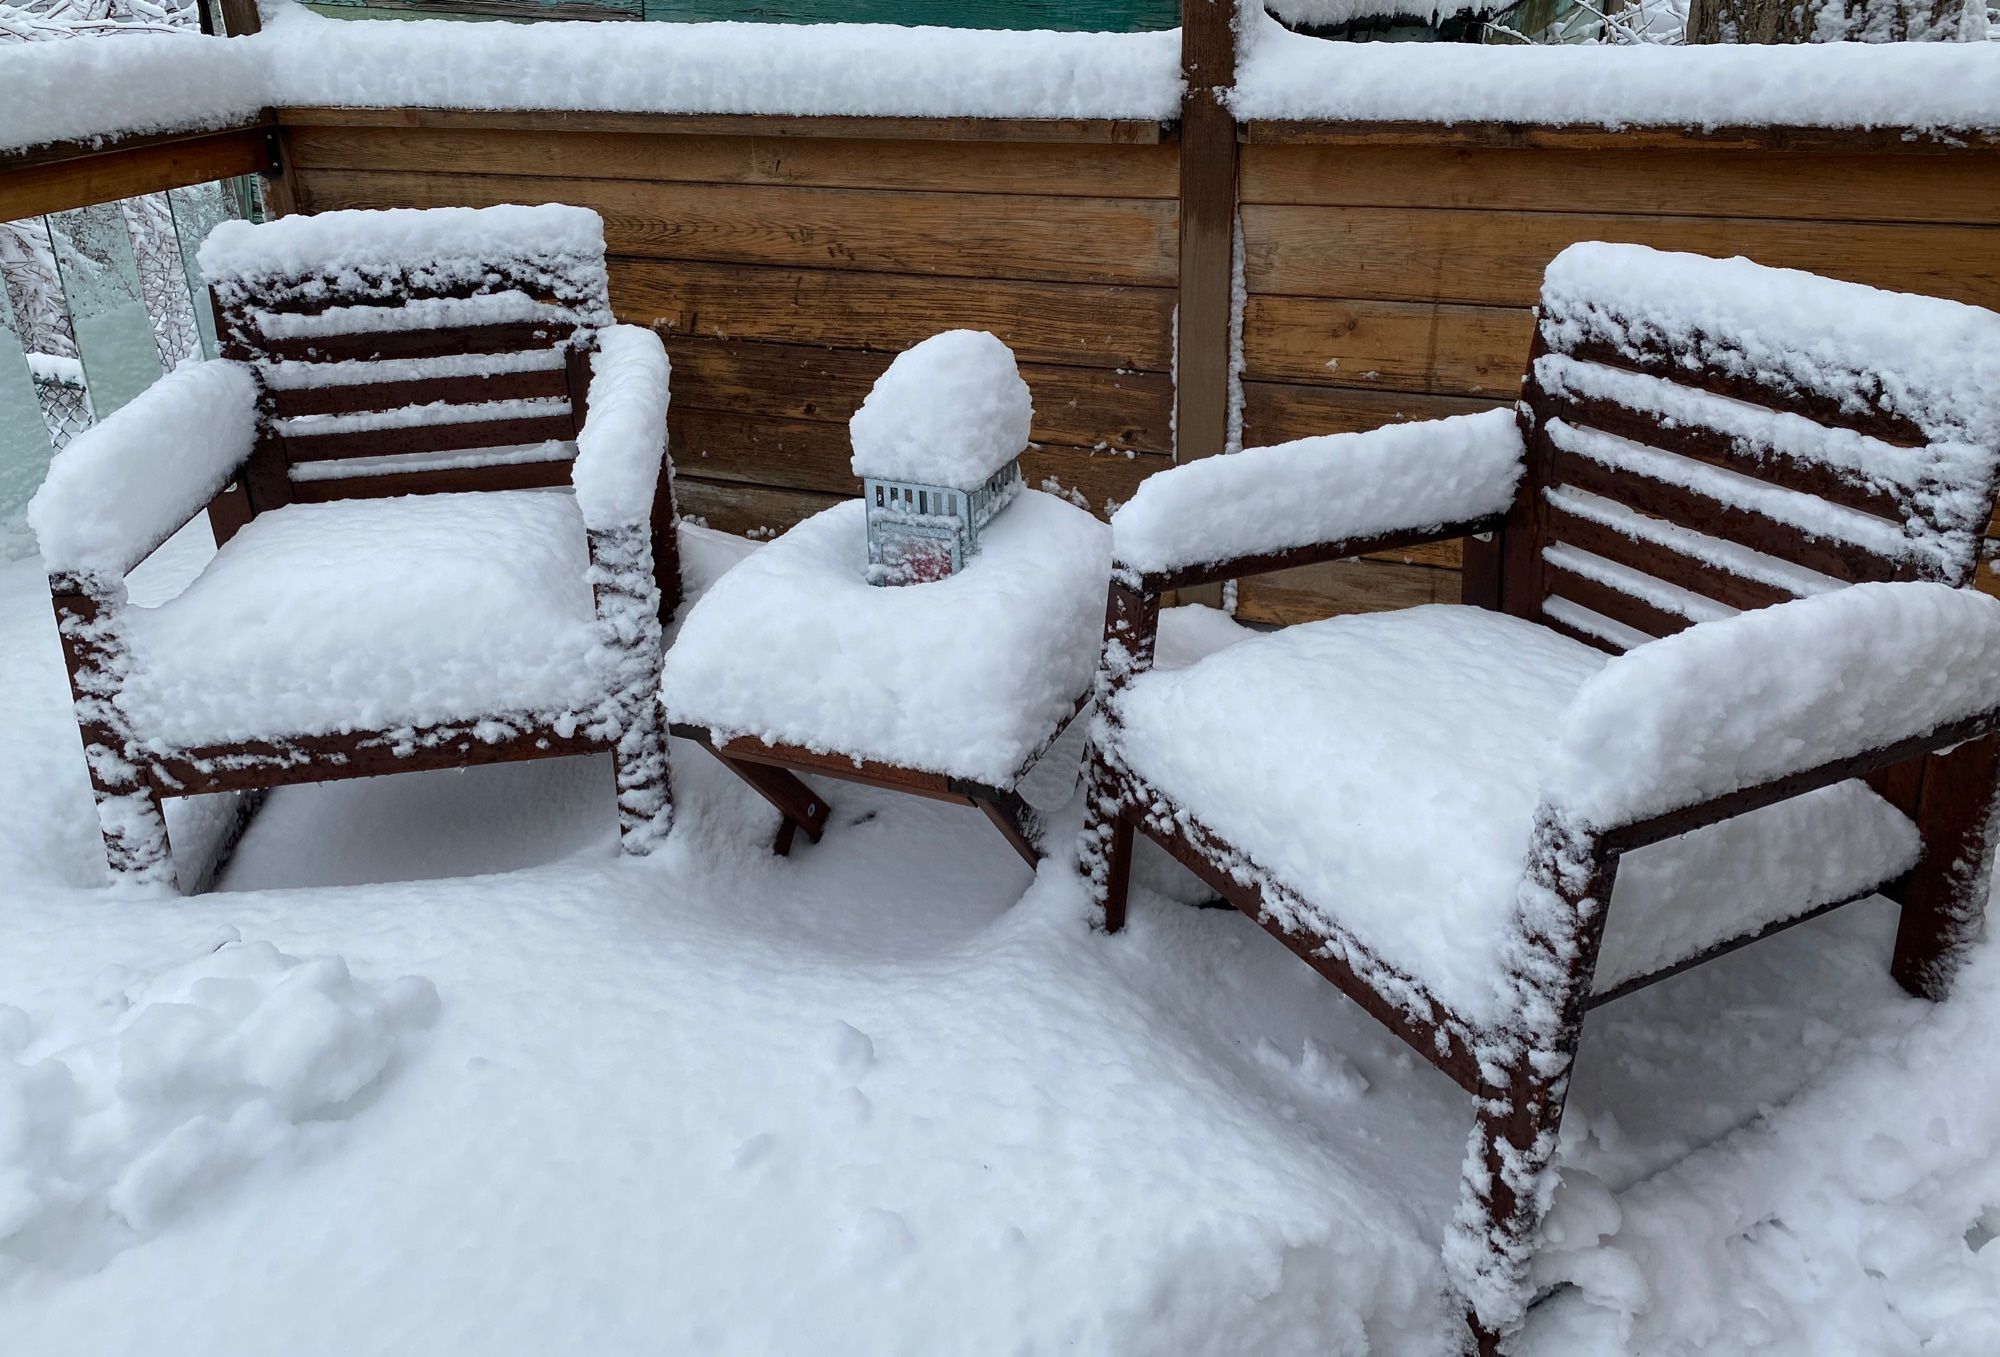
{"points": [[1732, 714], [624, 436], [133, 480], [1264, 508]]}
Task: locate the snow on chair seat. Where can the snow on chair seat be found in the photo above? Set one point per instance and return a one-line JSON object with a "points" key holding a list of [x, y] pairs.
{"points": [[1430, 726], [404, 579], [1761, 493], [373, 615]]}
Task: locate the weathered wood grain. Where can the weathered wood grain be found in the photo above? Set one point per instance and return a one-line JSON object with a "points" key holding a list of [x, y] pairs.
{"points": [[1089, 326], [1672, 182], [1277, 412], [1497, 258], [796, 454], [1078, 406], [31, 188], [1111, 131], [1315, 591], [1441, 348], [1086, 170], [1083, 240]]}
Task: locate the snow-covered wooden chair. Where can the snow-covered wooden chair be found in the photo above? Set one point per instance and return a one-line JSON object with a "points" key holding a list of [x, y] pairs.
{"points": [[1476, 824], [405, 403]]}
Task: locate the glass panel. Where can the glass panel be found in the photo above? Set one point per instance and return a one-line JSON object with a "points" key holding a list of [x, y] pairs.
{"points": [[24, 439], [198, 209], [100, 280]]}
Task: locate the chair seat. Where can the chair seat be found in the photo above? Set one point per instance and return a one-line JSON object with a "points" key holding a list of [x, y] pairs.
{"points": [[1384, 768], [965, 676], [373, 614]]}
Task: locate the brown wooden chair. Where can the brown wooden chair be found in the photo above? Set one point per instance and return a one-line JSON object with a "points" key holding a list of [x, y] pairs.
{"points": [[446, 538], [1433, 807]]}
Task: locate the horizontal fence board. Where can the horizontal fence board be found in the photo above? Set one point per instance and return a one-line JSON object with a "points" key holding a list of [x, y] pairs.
{"points": [[1277, 412], [1078, 325], [1067, 170], [1677, 182], [1126, 240], [1110, 131], [1514, 136], [1308, 593], [1444, 349], [741, 508], [1078, 406], [1497, 258], [55, 185], [810, 455]]}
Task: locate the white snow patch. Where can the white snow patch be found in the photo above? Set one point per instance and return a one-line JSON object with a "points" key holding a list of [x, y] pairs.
{"points": [[949, 411], [125, 1103], [1323, 489]]}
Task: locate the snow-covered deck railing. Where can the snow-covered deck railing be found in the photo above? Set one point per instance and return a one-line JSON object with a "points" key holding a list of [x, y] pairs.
{"points": [[1339, 488], [152, 83]]}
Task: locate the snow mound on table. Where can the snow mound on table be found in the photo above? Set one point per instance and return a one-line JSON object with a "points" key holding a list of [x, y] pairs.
{"points": [[964, 676], [129, 1102], [950, 411]]}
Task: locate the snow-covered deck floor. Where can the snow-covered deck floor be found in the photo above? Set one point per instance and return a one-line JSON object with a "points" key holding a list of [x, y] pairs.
{"points": [[892, 1096]]}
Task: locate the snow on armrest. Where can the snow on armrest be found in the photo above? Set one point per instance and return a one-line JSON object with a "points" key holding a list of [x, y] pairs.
{"points": [[624, 436], [124, 486], [1739, 702], [1332, 488]]}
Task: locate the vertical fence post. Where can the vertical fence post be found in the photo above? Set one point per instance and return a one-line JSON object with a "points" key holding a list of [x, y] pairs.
{"points": [[1208, 236], [240, 17]]}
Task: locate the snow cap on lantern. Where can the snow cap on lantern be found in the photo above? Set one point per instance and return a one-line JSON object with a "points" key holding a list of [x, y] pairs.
{"points": [[937, 446]]}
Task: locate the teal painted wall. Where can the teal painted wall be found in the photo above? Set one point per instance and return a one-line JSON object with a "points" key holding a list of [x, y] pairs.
{"points": [[1111, 16]]}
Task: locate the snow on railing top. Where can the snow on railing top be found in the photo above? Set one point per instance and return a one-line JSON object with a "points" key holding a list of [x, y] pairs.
{"points": [[127, 84], [123, 85], [1932, 362], [1920, 86]]}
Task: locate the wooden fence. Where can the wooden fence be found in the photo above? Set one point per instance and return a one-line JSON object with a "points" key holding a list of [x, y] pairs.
{"points": [[786, 261], [1388, 268]]}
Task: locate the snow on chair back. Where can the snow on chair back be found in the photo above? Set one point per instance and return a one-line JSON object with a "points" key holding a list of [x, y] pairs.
{"points": [[409, 351], [1711, 435]]}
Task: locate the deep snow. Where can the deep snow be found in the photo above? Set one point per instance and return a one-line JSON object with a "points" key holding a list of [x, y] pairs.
{"points": [[891, 1095]]}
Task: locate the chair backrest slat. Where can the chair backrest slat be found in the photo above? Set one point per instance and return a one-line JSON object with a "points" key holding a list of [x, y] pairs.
{"points": [[1691, 454], [472, 388], [403, 334]]}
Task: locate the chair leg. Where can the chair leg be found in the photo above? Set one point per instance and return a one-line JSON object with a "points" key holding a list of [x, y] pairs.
{"points": [[1104, 854], [645, 791], [1503, 1194], [1945, 894], [135, 834]]}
